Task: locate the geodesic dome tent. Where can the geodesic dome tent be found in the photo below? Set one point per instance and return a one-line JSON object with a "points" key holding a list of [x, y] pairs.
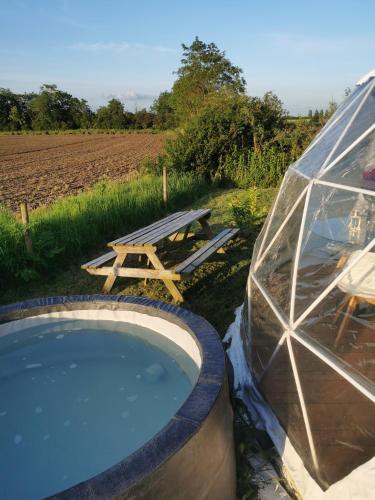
{"points": [[308, 325]]}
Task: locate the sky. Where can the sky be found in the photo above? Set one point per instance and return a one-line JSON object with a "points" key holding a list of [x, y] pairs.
{"points": [[306, 51]]}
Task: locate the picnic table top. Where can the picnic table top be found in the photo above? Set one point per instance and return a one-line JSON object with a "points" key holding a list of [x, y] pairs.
{"points": [[162, 228]]}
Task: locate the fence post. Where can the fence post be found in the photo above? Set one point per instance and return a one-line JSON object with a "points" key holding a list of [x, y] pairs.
{"points": [[25, 221], [165, 193]]}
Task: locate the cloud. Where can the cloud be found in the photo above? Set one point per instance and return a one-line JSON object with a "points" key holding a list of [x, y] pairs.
{"points": [[119, 47], [130, 95]]}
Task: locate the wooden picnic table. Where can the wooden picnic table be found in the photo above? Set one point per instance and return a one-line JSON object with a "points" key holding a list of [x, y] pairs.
{"points": [[147, 241]]}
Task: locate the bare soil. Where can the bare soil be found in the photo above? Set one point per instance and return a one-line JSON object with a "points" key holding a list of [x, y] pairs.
{"points": [[40, 168]]}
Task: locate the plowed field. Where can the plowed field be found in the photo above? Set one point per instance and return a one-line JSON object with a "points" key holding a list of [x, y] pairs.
{"points": [[40, 168]]}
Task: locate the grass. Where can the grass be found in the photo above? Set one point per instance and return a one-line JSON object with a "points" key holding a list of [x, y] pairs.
{"points": [[75, 226], [214, 291]]}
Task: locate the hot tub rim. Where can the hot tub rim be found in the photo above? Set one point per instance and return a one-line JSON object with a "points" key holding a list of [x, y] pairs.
{"points": [[187, 420]]}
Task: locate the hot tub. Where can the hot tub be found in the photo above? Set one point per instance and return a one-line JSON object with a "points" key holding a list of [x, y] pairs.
{"points": [[112, 397]]}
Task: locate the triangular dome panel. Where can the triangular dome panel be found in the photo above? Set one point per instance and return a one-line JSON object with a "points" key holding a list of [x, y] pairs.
{"points": [[363, 119], [275, 268], [328, 235], [316, 155], [263, 319], [289, 194], [351, 421], [357, 167], [280, 390]]}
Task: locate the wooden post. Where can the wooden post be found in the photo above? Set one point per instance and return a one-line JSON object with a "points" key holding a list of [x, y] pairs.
{"points": [[25, 222], [165, 194]]}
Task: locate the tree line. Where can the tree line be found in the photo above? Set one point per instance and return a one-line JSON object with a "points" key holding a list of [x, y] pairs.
{"points": [[55, 109]]}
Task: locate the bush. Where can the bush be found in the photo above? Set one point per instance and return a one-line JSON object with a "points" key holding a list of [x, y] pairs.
{"points": [[250, 211], [208, 137], [249, 168], [231, 135]]}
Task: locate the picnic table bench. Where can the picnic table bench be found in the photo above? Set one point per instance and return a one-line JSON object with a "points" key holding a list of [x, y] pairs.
{"points": [[145, 241]]}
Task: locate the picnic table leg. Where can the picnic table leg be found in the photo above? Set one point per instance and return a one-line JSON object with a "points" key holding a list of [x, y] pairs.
{"points": [[168, 283], [109, 282], [147, 265], [206, 227], [181, 236], [186, 232]]}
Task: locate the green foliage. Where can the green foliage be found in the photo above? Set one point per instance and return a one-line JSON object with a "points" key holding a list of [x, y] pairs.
{"points": [[207, 137], [228, 126], [294, 138], [251, 168], [267, 116], [110, 116], [204, 71], [68, 230], [152, 165], [14, 110], [320, 117], [13, 256], [143, 119], [15, 118], [165, 115], [249, 213], [54, 109]]}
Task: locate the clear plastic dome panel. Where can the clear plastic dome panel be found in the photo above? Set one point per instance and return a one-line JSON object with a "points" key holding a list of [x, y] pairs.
{"points": [[312, 161], [266, 331], [345, 105], [340, 417], [279, 387], [363, 119], [274, 268], [289, 194], [357, 167], [336, 226]]}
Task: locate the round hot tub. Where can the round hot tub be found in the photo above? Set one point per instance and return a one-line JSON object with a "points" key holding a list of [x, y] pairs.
{"points": [[112, 397]]}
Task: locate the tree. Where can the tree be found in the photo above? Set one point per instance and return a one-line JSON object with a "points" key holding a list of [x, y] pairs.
{"points": [[267, 116], [295, 137], [8, 102], [54, 109], [204, 70], [111, 116], [165, 115], [143, 119], [15, 118], [82, 115], [332, 107], [128, 119]]}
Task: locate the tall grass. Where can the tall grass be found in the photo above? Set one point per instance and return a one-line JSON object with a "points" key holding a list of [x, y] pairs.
{"points": [[76, 226], [248, 168]]}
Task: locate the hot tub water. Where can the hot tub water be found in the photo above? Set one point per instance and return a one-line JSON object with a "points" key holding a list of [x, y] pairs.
{"points": [[78, 396]]}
